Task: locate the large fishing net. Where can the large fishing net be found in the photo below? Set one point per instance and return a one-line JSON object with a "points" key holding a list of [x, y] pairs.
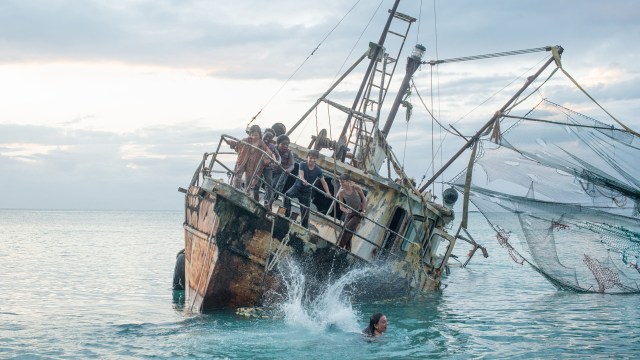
{"points": [[562, 192]]}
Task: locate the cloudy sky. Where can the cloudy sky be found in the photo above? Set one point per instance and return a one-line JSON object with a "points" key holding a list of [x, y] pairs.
{"points": [[110, 105]]}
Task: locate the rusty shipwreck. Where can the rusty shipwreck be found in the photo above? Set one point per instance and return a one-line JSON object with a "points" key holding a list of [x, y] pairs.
{"points": [[234, 243]]}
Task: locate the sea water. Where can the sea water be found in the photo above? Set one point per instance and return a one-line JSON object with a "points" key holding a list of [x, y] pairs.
{"points": [[97, 284]]}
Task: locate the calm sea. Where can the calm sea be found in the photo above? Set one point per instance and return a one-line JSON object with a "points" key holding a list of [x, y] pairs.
{"points": [[97, 284]]}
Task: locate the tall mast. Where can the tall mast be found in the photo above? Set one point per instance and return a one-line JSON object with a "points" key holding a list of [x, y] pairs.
{"points": [[374, 59]]}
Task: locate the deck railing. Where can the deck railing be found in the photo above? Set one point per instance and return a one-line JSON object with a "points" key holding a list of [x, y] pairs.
{"points": [[222, 161]]}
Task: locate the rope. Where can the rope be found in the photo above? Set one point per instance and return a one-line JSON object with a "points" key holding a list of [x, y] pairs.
{"points": [[303, 63], [426, 108], [594, 100], [533, 91], [433, 154], [419, 21], [570, 110], [268, 255], [435, 27], [355, 44]]}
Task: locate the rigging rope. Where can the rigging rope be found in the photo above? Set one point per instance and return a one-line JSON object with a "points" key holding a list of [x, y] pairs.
{"points": [[433, 155], [570, 110], [433, 119], [594, 100], [427, 109], [435, 30], [304, 62], [355, 44]]}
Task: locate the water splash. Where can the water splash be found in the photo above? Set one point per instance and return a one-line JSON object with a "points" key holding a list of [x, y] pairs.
{"points": [[331, 308]]}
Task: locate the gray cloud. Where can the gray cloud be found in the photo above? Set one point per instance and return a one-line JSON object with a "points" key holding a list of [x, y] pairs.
{"points": [[178, 34], [257, 40], [244, 40], [88, 170]]}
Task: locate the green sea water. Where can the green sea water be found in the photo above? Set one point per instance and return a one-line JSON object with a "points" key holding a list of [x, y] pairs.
{"points": [[97, 284]]}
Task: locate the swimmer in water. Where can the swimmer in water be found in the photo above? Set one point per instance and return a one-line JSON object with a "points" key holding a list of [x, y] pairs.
{"points": [[377, 325]]}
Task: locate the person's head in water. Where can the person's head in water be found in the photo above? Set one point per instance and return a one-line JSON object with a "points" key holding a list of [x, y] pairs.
{"points": [[377, 325]]}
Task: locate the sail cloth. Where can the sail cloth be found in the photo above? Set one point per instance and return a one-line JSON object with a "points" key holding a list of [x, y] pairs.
{"points": [[562, 192]]}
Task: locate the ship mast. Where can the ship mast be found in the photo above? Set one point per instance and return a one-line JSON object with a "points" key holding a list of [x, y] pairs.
{"points": [[360, 142], [374, 58]]}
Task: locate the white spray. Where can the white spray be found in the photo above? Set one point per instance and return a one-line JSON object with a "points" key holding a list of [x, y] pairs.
{"points": [[332, 307]]}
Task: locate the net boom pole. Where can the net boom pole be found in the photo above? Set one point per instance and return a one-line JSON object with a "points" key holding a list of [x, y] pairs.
{"points": [[493, 119]]}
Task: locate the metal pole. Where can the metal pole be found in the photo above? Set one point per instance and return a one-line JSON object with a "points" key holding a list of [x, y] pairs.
{"points": [[336, 83], [495, 117], [413, 63], [374, 58]]}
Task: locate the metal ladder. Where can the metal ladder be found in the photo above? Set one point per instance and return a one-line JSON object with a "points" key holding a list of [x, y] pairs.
{"points": [[378, 83]]}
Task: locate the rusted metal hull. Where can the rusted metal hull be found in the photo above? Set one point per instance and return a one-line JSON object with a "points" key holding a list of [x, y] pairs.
{"points": [[230, 240], [224, 259]]}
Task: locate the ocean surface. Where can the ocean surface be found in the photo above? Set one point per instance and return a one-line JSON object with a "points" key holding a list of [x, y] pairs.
{"points": [[97, 284]]}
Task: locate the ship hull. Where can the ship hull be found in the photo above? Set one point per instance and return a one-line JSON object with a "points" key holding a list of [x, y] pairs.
{"points": [[225, 254], [232, 245]]}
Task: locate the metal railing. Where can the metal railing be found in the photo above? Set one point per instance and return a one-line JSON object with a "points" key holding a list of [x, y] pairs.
{"points": [[222, 161]]}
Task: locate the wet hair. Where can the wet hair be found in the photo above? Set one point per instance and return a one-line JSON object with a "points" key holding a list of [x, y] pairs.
{"points": [[345, 176], [373, 321], [255, 128], [283, 138], [314, 153]]}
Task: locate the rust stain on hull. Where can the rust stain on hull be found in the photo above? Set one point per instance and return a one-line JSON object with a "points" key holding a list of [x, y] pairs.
{"points": [[230, 240], [225, 256]]}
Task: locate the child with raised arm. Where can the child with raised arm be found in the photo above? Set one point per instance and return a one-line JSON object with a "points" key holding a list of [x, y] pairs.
{"points": [[250, 161]]}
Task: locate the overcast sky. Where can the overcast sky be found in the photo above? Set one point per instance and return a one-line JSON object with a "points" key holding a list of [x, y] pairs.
{"points": [[111, 104]]}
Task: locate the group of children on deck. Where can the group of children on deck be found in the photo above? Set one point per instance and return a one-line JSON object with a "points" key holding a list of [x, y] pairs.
{"points": [[253, 164], [274, 168]]}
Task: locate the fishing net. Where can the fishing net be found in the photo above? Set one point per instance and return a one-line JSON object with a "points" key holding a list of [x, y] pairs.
{"points": [[562, 192]]}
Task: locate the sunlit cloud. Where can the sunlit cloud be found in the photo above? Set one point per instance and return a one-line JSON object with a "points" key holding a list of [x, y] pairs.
{"points": [[600, 76], [26, 151], [132, 151]]}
